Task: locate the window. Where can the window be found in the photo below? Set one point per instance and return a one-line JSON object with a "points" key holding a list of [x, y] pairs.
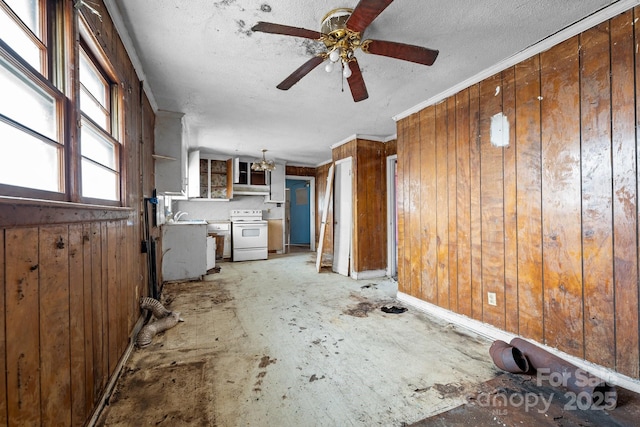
{"points": [[30, 132], [22, 27], [98, 147], [40, 157]]}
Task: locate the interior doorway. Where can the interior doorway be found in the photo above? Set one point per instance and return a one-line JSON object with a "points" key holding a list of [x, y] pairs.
{"points": [[300, 213]]}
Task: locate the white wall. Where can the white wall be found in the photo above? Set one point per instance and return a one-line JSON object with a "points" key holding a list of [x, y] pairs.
{"points": [[219, 211]]}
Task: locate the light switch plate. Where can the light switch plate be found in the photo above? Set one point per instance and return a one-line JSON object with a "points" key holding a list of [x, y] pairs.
{"points": [[491, 298]]}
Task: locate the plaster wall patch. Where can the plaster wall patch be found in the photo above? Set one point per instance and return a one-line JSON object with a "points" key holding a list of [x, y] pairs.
{"points": [[499, 130]]}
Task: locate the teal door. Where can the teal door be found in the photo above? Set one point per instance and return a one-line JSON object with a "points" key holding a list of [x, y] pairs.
{"points": [[299, 211]]}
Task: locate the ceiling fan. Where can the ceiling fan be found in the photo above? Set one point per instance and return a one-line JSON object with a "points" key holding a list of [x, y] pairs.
{"points": [[341, 32]]}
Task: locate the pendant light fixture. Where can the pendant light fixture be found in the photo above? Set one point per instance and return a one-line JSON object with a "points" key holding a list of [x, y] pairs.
{"points": [[263, 164]]}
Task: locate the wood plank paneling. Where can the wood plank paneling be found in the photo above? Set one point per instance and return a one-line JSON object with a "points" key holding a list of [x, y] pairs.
{"points": [[625, 197], [55, 360], [442, 206], [414, 203], [110, 256], [99, 267], [300, 171], [463, 203], [403, 250], [77, 321], [510, 203], [475, 208], [452, 206], [57, 339], [550, 222], [428, 206], [561, 198], [370, 236], [597, 221], [22, 326], [88, 303], [529, 197], [492, 199]]}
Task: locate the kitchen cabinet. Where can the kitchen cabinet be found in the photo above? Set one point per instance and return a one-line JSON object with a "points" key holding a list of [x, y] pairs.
{"points": [[277, 184], [270, 184], [243, 174], [170, 153], [184, 248], [210, 177]]}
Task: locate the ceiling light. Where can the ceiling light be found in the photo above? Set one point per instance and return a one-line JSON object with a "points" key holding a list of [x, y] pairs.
{"points": [[263, 164], [346, 71]]}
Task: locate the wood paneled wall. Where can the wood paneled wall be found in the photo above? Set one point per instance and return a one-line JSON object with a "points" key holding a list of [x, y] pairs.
{"points": [[300, 171], [71, 276], [549, 223]]}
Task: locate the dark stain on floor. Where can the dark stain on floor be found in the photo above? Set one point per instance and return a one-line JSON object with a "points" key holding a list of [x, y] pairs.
{"points": [[266, 361], [517, 400], [362, 309]]}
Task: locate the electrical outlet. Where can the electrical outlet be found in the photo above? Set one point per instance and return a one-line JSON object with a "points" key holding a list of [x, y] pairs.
{"points": [[491, 298]]}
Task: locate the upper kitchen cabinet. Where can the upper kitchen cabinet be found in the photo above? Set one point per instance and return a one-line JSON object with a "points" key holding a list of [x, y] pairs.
{"points": [[244, 175], [248, 182], [210, 177], [170, 153]]}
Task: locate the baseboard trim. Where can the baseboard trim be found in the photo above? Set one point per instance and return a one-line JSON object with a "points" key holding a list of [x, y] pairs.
{"points": [[106, 394], [492, 333]]}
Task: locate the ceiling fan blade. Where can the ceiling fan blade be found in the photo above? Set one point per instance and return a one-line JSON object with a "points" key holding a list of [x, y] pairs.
{"points": [[406, 52], [267, 27], [356, 82], [300, 72], [365, 12]]}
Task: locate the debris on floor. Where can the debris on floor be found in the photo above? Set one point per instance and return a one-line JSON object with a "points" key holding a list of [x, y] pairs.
{"points": [[164, 319], [393, 309], [213, 270]]}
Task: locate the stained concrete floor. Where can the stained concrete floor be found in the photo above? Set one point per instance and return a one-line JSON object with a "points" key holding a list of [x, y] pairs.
{"points": [[274, 343]]}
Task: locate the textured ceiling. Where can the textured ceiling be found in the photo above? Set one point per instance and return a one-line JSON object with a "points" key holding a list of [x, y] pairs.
{"points": [[200, 58]]}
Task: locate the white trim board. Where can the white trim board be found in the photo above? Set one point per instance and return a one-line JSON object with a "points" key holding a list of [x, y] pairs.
{"points": [[591, 21], [368, 274], [493, 333]]}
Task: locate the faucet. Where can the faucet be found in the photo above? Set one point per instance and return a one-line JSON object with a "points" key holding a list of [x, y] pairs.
{"points": [[179, 215]]}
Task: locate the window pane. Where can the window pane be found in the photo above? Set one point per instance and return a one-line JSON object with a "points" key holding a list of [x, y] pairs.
{"points": [[96, 146], [93, 110], [15, 37], [29, 12], [98, 182], [27, 161], [26, 103], [92, 80]]}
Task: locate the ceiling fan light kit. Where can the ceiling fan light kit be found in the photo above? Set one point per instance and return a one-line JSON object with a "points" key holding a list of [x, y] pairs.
{"points": [[341, 31]]}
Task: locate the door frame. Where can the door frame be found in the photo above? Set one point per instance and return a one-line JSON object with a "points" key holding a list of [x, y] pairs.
{"points": [[312, 206], [338, 216], [392, 210]]}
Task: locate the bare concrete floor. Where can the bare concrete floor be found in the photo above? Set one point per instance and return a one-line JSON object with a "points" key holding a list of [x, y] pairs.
{"points": [[274, 343]]}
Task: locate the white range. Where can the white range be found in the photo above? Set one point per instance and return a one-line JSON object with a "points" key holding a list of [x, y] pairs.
{"points": [[249, 235]]}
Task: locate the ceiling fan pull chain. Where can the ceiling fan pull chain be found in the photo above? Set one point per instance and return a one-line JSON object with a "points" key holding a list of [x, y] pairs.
{"points": [[342, 76]]}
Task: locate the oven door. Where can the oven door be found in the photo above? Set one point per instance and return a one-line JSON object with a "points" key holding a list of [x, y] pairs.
{"points": [[250, 234], [249, 240]]}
